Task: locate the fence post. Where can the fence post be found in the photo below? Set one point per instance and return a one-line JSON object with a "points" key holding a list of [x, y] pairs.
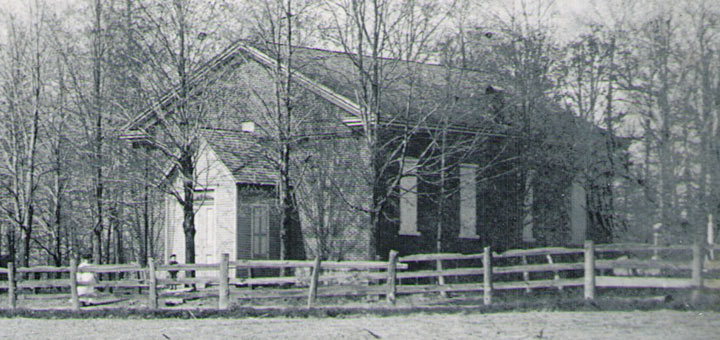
{"points": [[697, 268], [556, 277], [314, 282], [224, 292], [152, 289], [12, 301], [589, 270], [487, 276], [249, 275], [392, 277], [441, 279], [526, 276], [74, 284]]}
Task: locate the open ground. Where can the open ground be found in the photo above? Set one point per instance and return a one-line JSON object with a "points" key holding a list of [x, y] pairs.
{"points": [[662, 324]]}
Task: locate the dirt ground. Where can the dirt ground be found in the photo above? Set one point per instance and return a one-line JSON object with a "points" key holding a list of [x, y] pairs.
{"points": [[532, 325]]}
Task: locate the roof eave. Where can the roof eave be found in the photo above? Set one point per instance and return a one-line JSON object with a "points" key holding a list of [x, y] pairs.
{"points": [[322, 91], [135, 135]]}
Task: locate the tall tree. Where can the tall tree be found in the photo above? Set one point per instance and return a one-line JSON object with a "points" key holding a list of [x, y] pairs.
{"points": [[590, 73], [382, 39], [96, 111], [704, 22], [182, 38], [24, 91], [53, 207], [652, 76], [276, 30]]}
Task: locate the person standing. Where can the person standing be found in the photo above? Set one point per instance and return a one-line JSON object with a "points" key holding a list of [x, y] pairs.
{"points": [[86, 281], [173, 273]]}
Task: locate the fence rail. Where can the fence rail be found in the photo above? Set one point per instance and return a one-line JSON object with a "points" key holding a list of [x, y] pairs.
{"points": [[620, 247], [641, 264], [538, 251], [538, 268]]}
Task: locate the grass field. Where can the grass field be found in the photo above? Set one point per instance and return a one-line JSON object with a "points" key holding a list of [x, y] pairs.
{"points": [[540, 315], [661, 324]]}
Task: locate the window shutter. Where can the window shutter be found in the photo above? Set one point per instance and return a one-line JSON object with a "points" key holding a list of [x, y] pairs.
{"points": [[408, 199], [468, 201]]}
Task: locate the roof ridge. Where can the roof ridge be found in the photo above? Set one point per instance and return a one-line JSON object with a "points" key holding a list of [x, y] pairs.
{"points": [[328, 50]]}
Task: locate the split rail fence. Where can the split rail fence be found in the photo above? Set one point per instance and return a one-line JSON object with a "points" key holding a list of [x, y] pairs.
{"points": [[591, 267]]}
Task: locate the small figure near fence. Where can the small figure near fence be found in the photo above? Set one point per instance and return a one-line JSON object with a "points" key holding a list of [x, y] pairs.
{"points": [[86, 281], [173, 273]]}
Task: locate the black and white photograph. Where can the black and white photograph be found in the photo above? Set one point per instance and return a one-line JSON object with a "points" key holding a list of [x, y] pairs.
{"points": [[359, 169]]}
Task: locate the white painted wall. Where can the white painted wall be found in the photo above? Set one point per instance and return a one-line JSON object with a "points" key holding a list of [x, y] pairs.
{"points": [[215, 220]]}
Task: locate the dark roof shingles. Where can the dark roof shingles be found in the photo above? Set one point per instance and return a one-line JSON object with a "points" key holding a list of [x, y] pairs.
{"points": [[239, 151]]}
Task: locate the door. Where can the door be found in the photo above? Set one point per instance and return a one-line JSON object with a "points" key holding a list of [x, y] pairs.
{"points": [[260, 226], [205, 242]]}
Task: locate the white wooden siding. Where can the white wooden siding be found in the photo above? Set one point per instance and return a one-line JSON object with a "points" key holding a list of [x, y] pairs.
{"points": [[222, 220]]}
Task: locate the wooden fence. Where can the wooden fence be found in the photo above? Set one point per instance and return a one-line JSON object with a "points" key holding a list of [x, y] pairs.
{"points": [[604, 266]]}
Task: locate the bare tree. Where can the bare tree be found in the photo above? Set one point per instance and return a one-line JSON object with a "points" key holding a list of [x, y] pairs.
{"points": [[704, 17], [652, 78], [53, 195], [276, 31], [23, 98], [382, 39], [181, 39], [591, 82]]}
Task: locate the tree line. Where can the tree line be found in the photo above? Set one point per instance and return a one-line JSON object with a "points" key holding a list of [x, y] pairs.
{"points": [[73, 75]]}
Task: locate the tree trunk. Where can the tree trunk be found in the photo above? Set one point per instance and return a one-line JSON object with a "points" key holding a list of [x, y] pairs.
{"points": [[146, 252], [97, 245], [108, 242], [26, 244], [441, 203], [12, 248], [118, 245], [97, 100], [188, 170]]}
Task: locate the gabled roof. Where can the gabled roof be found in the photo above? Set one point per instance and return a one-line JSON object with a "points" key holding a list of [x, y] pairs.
{"points": [[329, 75], [237, 52], [409, 89], [134, 128]]}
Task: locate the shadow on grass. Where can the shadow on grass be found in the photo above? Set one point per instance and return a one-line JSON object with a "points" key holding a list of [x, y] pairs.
{"points": [[545, 301]]}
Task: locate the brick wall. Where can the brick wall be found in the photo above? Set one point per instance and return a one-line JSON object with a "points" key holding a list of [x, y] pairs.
{"points": [[497, 203], [334, 188]]}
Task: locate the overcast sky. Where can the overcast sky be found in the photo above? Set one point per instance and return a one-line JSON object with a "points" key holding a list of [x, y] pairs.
{"points": [[566, 15]]}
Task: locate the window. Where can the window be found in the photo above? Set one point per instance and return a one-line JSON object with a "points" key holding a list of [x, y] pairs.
{"points": [[260, 224], [468, 201], [527, 208], [408, 199]]}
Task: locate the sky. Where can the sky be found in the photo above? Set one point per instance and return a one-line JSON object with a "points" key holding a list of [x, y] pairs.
{"points": [[566, 15]]}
